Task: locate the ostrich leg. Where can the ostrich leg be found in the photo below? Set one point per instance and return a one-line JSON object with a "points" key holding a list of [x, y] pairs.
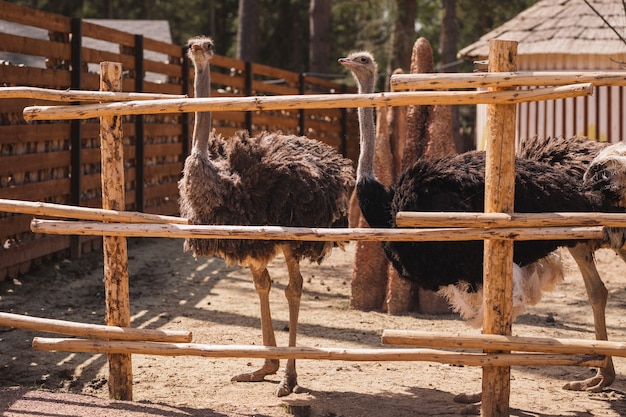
{"points": [[597, 294], [262, 284], [293, 292]]}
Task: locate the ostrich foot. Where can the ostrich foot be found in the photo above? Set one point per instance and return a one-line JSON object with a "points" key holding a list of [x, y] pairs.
{"points": [[473, 402], [269, 368], [603, 378], [287, 385]]}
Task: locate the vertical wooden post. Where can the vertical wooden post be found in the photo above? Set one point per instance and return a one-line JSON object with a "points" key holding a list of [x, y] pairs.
{"points": [[115, 250], [498, 258]]}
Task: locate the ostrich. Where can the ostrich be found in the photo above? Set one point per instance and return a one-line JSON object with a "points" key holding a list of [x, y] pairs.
{"points": [[269, 179], [548, 179]]}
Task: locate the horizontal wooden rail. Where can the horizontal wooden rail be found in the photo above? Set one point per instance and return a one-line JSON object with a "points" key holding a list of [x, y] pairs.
{"points": [[79, 95], [500, 342], [294, 102], [502, 79], [478, 219], [305, 233], [84, 213], [339, 354], [92, 330]]}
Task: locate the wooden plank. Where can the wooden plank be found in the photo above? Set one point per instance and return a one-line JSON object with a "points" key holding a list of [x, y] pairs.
{"points": [[227, 63], [36, 47], [37, 191], [96, 31], [153, 150], [172, 70], [162, 129], [260, 88], [37, 248], [170, 49], [32, 17], [12, 75], [169, 207], [33, 132], [274, 73], [164, 190], [96, 56], [34, 162], [11, 225], [163, 170]]}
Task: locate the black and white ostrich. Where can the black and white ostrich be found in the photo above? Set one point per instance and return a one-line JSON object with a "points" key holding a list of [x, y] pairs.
{"points": [[549, 178], [269, 179]]}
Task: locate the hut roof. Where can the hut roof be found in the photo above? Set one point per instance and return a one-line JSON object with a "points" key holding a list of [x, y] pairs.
{"points": [[559, 27]]}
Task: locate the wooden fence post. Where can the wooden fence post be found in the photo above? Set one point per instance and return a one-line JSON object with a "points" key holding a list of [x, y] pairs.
{"points": [[76, 128], [498, 255], [139, 129], [115, 250]]}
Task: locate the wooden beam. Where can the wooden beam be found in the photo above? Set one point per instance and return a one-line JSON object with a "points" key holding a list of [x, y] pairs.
{"points": [[84, 213], [339, 354], [488, 220], [296, 102], [79, 95], [447, 81], [92, 330], [503, 342], [62, 227]]}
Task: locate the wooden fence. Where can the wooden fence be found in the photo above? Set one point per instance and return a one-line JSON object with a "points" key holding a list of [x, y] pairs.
{"points": [[59, 161]]}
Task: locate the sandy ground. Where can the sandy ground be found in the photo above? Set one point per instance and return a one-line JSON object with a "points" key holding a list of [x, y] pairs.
{"points": [[171, 290]]}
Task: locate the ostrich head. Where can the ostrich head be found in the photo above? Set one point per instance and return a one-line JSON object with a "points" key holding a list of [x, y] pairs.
{"points": [[200, 50], [364, 70]]}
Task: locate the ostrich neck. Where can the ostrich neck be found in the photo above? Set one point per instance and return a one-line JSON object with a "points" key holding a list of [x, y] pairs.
{"points": [[367, 127], [202, 124]]}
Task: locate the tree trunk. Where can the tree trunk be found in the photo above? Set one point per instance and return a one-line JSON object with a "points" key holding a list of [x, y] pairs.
{"points": [[319, 39], [449, 38], [248, 30], [403, 36]]}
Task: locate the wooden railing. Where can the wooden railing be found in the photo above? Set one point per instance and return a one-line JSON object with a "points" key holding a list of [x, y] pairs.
{"points": [[59, 162]]}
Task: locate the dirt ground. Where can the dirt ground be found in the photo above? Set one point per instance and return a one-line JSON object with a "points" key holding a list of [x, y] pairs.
{"points": [[171, 290]]}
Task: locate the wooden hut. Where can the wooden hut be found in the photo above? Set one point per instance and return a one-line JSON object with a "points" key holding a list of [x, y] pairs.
{"points": [[565, 35]]}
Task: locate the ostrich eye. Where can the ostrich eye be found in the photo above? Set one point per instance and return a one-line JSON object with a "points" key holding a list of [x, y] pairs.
{"points": [[364, 60]]}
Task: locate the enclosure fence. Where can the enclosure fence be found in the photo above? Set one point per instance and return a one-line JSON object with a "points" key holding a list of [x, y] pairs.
{"points": [[494, 226], [58, 161]]}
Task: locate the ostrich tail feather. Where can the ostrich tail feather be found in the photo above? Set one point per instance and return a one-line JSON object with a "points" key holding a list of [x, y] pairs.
{"points": [[529, 283]]}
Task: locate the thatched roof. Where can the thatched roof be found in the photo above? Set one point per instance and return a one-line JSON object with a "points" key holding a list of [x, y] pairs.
{"points": [[559, 27]]}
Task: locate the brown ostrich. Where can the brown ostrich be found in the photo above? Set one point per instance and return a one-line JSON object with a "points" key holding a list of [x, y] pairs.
{"points": [[549, 178], [269, 179]]}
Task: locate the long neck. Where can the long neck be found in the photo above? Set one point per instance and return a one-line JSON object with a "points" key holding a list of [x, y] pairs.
{"points": [[367, 127], [202, 124]]}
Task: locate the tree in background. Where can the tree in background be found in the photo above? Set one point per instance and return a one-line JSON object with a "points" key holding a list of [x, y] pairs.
{"points": [[247, 30], [319, 37], [403, 35]]}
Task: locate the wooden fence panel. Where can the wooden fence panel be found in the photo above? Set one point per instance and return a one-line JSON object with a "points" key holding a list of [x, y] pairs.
{"points": [[36, 159]]}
